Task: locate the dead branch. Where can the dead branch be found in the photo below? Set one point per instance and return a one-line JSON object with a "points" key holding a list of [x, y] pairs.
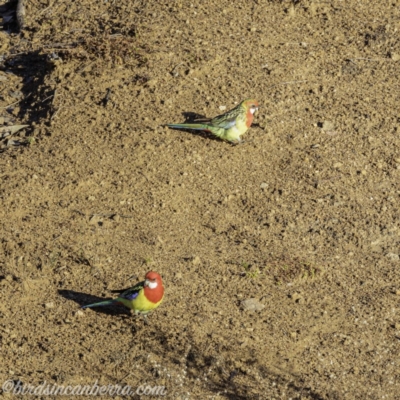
{"points": [[21, 14]]}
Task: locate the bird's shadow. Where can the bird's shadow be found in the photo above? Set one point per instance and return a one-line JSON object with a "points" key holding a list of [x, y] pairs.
{"points": [[83, 299], [192, 117]]}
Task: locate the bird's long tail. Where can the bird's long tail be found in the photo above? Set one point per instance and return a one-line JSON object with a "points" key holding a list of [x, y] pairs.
{"points": [[101, 303], [197, 127]]}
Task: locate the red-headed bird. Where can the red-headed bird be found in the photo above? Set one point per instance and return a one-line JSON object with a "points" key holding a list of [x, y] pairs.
{"points": [[141, 298], [229, 126]]}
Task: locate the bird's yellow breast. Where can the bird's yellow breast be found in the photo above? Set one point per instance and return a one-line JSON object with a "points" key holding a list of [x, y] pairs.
{"points": [[141, 304], [237, 130]]}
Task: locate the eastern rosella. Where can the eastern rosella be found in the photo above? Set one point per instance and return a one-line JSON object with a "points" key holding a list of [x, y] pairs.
{"points": [[141, 298], [229, 126]]}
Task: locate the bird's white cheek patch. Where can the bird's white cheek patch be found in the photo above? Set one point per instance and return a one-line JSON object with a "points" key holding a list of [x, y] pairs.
{"points": [[253, 110], [152, 285]]}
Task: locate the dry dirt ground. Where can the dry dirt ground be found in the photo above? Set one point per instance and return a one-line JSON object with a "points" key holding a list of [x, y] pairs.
{"points": [[303, 217]]}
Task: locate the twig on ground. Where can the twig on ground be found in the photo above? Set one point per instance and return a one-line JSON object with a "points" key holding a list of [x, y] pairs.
{"points": [[21, 14], [15, 102], [368, 59], [54, 97], [55, 113], [290, 82]]}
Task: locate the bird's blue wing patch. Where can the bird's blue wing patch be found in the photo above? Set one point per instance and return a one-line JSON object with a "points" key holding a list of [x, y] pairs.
{"points": [[133, 292], [131, 295]]}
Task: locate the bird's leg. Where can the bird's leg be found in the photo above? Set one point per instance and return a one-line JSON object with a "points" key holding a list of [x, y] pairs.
{"points": [[145, 319]]}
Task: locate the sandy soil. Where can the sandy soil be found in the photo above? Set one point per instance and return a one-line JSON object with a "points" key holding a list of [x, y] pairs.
{"points": [[303, 217]]}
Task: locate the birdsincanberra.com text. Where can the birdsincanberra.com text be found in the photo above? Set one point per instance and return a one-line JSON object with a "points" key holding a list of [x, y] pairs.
{"points": [[17, 387]]}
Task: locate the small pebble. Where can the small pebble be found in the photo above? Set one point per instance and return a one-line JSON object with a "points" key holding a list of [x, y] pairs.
{"points": [[392, 256], [16, 95], [328, 126], [196, 260], [395, 56], [178, 275], [252, 305]]}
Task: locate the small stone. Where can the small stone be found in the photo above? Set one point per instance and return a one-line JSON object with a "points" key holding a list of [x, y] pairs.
{"points": [[79, 313], [292, 11], [96, 220], [395, 56], [196, 260], [151, 83], [392, 256], [49, 305], [178, 275], [263, 185], [222, 108], [337, 165], [252, 305], [16, 95], [328, 126]]}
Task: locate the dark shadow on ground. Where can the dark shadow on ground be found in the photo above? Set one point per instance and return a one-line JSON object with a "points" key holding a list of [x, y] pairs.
{"points": [[36, 99], [84, 299], [9, 17]]}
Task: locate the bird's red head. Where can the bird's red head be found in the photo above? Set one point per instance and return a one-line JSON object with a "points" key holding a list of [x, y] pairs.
{"points": [[153, 287], [153, 276], [251, 106]]}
